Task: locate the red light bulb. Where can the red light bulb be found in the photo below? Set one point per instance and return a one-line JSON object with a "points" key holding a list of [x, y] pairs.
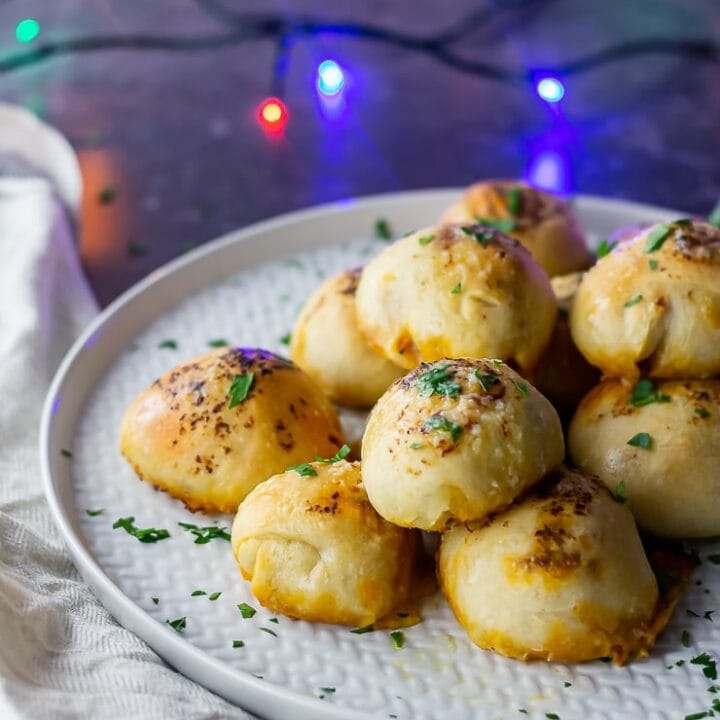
{"points": [[272, 115]]}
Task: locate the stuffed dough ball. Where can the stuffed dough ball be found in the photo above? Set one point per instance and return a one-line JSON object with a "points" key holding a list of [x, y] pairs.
{"points": [[456, 291], [455, 440], [652, 305], [314, 548], [212, 428], [560, 576], [327, 344], [656, 444], [563, 375], [543, 223]]}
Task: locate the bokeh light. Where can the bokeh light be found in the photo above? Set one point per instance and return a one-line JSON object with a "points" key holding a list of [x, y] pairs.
{"points": [[273, 115], [331, 78], [550, 89], [27, 30]]}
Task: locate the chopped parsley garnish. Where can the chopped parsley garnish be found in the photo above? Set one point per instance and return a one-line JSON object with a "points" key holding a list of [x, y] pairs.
{"points": [[521, 388], [655, 240], [514, 200], [204, 535], [327, 690], [177, 625], [286, 338], [363, 630], [397, 638], [196, 593], [148, 535], [383, 229], [425, 239], [653, 264], [268, 631], [95, 513], [457, 289], [482, 236], [220, 342], [438, 422], [212, 597], [698, 715], [702, 412], [685, 639], [240, 388], [714, 216], [619, 493], [66, 453], [640, 440], [274, 620], [605, 248], [107, 195], [568, 684], [645, 393], [416, 445], [708, 615], [247, 611], [634, 300], [691, 613], [341, 454], [304, 470], [714, 559], [552, 716], [504, 225], [486, 380], [709, 666], [238, 643], [155, 600], [438, 380], [168, 345]]}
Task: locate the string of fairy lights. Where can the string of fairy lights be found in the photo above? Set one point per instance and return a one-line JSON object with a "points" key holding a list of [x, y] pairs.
{"points": [[331, 79]]}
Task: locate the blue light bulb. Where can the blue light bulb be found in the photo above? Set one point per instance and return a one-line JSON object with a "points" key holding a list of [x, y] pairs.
{"points": [[550, 89], [330, 79]]}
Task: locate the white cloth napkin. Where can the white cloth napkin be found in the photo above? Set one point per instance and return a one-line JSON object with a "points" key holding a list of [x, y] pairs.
{"points": [[61, 653]]}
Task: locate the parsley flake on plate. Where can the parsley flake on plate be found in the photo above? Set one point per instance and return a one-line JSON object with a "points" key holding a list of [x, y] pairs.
{"points": [[457, 289], [95, 513], [212, 597], [341, 454], [247, 611], [240, 388], [268, 631], [220, 342], [425, 239], [177, 625], [286, 338], [238, 643], [363, 630], [685, 639], [146, 535], [168, 345], [702, 412], [66, 453], [204, 535], [155, 600], [383, 229], [634, 300], [397, 638], [708, 665], [657, 238], [196, 593]]}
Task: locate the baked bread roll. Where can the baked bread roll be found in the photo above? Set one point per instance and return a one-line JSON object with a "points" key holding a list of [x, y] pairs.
{"points": [[542, 222], [652, 305], [453, 441], [560, 576], [563, 375], [182, 435], [327, 344], [669, 472], [313, 547], [456, 291]]}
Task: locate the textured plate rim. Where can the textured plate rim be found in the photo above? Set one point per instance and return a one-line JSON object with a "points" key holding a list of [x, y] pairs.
{"points": [[254, 694]]}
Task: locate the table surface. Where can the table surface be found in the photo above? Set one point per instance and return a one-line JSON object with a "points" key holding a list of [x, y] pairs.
{"points": [[173, 155]]}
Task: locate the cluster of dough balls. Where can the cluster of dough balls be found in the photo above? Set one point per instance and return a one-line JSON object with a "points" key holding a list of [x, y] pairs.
{"points": [[537, 562], [648, 316]]}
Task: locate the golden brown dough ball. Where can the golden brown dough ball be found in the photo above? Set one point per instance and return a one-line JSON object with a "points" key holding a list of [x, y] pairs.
{"points": [[658, 445], [455, 440], [327, 344], [652, 305], [313, 547], [560, 576], [542, 222], [182, 435], [563, 375], [456, 291]]}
